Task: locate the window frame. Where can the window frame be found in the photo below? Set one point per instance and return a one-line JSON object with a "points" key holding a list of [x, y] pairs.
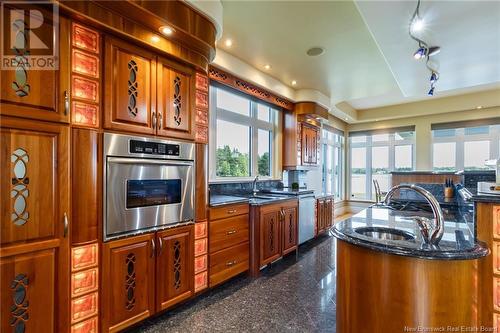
{"points": [[338, 141], [254, 125], [460, 138], [368, 145]]}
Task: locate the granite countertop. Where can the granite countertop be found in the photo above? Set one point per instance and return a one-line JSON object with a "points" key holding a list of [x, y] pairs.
{"points": [[324, 194], [223, 199], [458, 242], [424, 172], [288, 191], [486, 198]]}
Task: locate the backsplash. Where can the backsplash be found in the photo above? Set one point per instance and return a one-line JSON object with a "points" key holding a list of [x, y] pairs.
{"points": [[295, 176], [242, 187], [471, 178]]}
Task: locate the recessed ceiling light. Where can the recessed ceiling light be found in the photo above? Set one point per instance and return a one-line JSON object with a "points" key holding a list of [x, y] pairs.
{"points": [[315, 51], [294, 83], [479, 107], [155, 39], [268, 67], [166, 30], [228, 42], [346, 118]]}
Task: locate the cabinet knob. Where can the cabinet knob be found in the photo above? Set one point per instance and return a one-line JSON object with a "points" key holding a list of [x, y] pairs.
{"points": [[161, 246], [231, 263], [231, 211], [153, 120], [231, 232], [160, 120]]}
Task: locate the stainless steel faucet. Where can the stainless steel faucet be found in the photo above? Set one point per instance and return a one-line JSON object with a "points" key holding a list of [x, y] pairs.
{"points": [[254, 189], [431, 230]]}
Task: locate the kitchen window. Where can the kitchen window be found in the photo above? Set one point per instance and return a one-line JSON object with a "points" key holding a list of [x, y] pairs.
{"points": [[375, 154], [332, 170], [465, 145], [242, 135]]}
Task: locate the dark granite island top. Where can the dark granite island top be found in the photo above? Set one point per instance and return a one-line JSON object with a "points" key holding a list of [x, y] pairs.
{"points": [[458, 242], [222, 199]]}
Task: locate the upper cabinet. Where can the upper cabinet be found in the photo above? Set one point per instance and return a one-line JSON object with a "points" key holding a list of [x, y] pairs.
{"points": [[175, 95], [130, 88], [40, 92], [302, 135]]}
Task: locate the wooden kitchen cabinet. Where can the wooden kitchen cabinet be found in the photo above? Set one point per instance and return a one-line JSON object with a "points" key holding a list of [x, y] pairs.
{"points": [[127, 286], [228, 242], [324, 214], [270, 240], [176, 88], [174, 266], [310, 138], [130, 87], [34, 256], [39, 94], [274, 233], [290, 230], [301, 142]]}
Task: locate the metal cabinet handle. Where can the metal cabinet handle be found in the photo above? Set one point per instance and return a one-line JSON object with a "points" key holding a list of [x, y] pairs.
{"points": [[231, 263], [161, 246], [231, 232], [154, 120], [66, 225], [153, 248], [231, 211], [160, 121], [66, 102]]}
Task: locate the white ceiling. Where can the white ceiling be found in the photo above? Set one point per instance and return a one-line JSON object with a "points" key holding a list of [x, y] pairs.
{"points": [[368, 60]]}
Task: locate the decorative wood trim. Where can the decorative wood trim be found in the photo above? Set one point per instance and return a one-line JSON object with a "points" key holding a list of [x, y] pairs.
{"points": [[232, 81]]}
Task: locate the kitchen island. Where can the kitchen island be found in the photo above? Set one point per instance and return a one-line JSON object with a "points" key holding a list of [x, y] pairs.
{"points": [[390, 280]]}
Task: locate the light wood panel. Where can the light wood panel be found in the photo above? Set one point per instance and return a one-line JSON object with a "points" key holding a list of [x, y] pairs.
{"points": [[379, 292]]}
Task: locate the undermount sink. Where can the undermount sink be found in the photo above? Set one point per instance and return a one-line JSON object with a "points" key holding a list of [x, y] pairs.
{"points": [[385, 233]]}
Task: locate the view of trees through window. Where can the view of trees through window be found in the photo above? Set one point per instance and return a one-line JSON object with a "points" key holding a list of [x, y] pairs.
{"points": [[244, 135]]}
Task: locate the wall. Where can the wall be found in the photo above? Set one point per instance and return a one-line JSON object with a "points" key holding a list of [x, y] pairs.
{"points": [[422, 124]]}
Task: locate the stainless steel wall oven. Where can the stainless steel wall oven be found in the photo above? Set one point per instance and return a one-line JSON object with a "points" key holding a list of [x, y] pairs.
{"points": [[148, 184]]}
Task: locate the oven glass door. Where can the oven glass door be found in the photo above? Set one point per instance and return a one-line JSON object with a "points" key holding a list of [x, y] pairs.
{"points": [[142, 194]]}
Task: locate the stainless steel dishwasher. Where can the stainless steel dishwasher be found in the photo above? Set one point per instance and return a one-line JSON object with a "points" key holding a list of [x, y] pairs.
{"points": [[306, 217]]}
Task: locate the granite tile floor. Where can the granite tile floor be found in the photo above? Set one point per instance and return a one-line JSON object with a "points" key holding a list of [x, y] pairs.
{"points": [[291, 296]]}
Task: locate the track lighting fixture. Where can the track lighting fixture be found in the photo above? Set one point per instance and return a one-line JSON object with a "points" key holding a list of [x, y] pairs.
{"points": [[424, 50]]}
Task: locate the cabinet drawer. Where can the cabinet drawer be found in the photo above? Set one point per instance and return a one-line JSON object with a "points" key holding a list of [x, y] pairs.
{"points": [[228, 211], [228, 232], [229, 262]]}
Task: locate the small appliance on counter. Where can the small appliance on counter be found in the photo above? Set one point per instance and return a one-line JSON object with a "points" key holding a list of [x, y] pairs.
{"points": [[490, 187]]}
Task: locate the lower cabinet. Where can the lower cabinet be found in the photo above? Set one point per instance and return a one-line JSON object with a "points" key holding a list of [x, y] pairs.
{"points": [[229, 250], [324, 214], [274, 233], [145, 274]]}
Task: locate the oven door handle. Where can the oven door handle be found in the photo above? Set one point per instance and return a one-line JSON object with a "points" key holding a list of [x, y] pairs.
{"points": [[122, 160]]}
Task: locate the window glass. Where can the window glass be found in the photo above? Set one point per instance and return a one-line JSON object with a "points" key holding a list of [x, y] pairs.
{"points": [[380, 167], [398, 136], [477, 130], [264, 153], [337, 171], [358, 139], [233, 150], [475, 154], [232, 102], [444, 156], [380, 137], [263, 112], [358, 171], [403, 157], [443, 133]]}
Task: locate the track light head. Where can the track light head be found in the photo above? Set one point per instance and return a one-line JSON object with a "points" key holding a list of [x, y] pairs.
{"points": [[434, 77], [420, 53], [431, 91], [433, 50]]}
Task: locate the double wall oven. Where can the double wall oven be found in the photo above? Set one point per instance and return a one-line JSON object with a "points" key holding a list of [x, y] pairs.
{"points": [[148, 184]]}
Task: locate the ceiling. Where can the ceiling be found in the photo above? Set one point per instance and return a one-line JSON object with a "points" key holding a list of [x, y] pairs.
{"points": [[368, 59]]}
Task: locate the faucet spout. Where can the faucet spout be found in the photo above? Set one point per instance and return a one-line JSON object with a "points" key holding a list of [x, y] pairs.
{"points": [[431, 234], [254, 188]]}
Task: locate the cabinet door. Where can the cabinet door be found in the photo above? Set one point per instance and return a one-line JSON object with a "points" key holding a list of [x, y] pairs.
{"points": [[270, 242], [305, 144], [313, 151], [321, 214], [290, 230], [175, 96], [130, 87], [34, 182], [175, 266], [127, 285], [39, 93]]}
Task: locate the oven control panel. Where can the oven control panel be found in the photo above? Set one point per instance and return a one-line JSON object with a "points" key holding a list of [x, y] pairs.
{"points": [[153, 148]]}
